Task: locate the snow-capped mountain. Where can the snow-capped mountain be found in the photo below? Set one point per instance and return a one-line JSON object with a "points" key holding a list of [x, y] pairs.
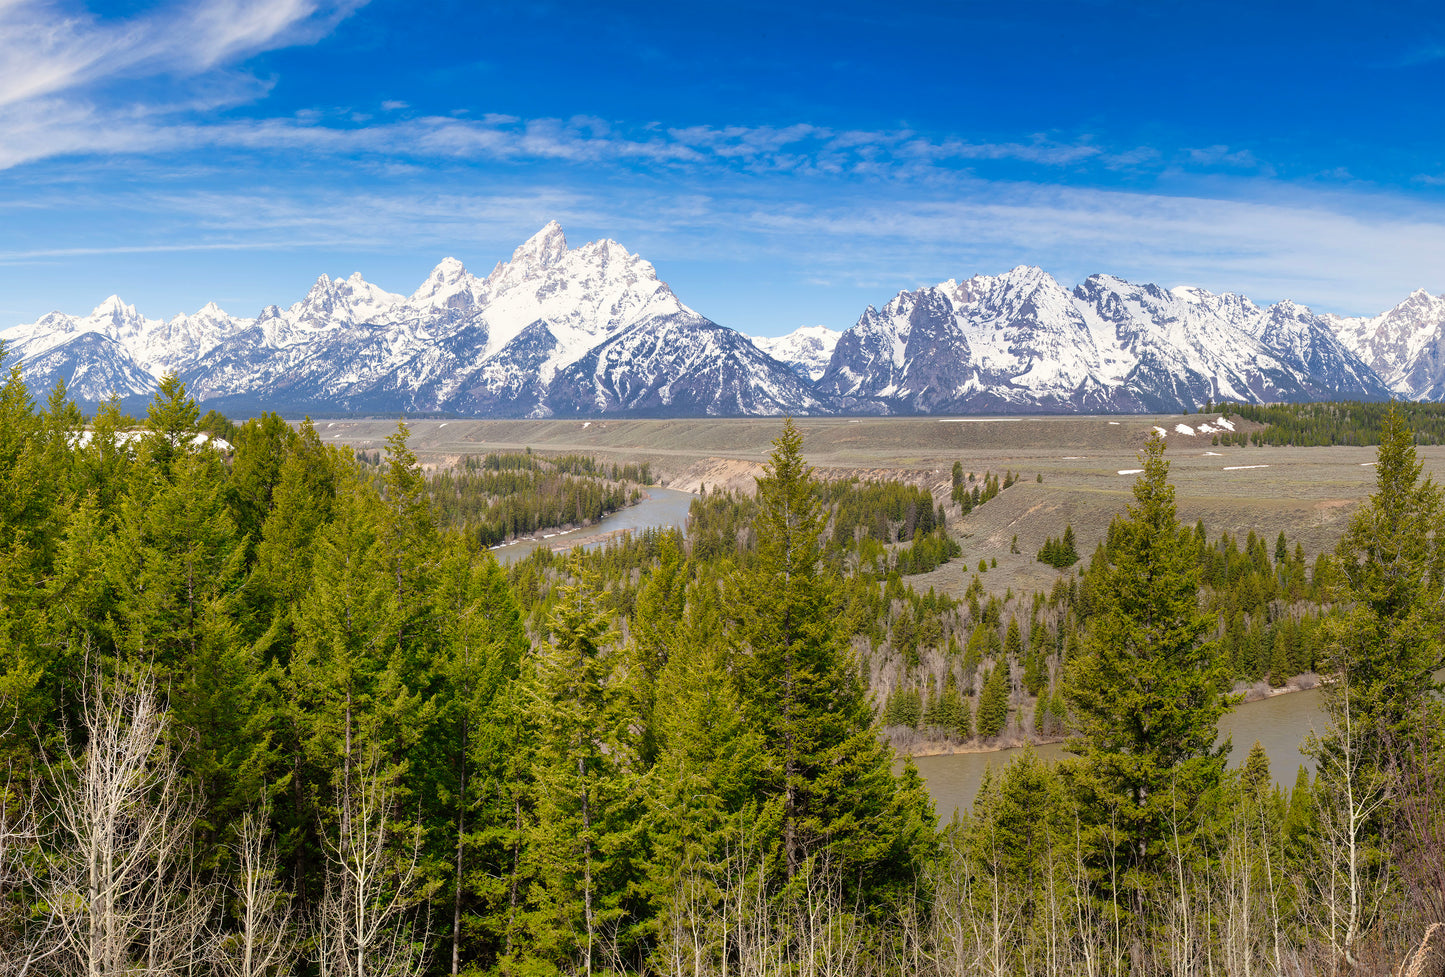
{"points": [[1404, 346], [1021, 341], [556, 330], [807, 349], [681, 365], [458, 343]]}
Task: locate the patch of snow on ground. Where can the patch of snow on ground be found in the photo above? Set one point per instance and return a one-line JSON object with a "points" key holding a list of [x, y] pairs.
{"points": [[1184, 429], [1226, 425], [1240, 468], [1368, 464], [1212, 454], [1115, 423], [586, 424], [1162, 433], [1073, 458], [1130, 471]]}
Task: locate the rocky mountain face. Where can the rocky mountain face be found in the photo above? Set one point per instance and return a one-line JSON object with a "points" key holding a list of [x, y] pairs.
{"points": [[559, 331], [553, 330], [1021, 341], [1404, 346]]}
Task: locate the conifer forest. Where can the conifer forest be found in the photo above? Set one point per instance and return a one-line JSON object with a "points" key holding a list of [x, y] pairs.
{"points": [[276, 709]]}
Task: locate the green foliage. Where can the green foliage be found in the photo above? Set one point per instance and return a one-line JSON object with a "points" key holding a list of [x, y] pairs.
{"points": [[993, 702], [1339, 422], [1145, 695], [495, 498], [1391, 569], [586, 757], [1060, 553], [825, 775]]}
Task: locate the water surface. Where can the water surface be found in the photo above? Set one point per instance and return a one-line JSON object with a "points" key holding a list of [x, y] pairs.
{"points": [[1280, 723], [664, 508]]}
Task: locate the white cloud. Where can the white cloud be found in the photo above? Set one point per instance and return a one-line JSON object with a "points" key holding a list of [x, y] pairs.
{"points": [[47, 49]]}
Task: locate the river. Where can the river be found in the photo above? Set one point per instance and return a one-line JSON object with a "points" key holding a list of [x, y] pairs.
{"points": [[1280, 723], [663, 507]]}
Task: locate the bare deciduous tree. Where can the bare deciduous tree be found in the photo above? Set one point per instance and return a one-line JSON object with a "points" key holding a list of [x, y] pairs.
{"points": [[266, 939], [364, 929], [1344, 893], [116, 873]]}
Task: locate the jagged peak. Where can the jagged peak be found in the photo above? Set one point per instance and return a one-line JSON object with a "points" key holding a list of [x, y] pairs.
{"points": [[1420, 298], [449, 269], [113, 307], [545, 247]]}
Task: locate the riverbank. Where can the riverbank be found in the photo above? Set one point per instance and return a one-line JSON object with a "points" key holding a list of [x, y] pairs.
{"points": [[658, 507], [1017, 738]]}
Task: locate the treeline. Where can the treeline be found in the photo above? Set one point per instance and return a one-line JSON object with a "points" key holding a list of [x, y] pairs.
{"points": [[862, 521], [495, 498], [1060, 553], [1268, 610], [1342, 422], [271, 714], [982, 490]]}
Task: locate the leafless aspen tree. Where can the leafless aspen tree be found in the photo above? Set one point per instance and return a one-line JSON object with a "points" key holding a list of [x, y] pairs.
{"points": [[20, 948], [1345, 892], [265, 942], [364, 930], [117, 874]]}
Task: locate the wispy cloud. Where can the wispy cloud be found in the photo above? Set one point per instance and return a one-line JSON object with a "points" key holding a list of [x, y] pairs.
{"points": [[1348, 253], [47, 49]]}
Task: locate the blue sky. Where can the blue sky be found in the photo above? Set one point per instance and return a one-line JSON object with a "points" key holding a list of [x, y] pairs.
{"points": [[780, 167]]}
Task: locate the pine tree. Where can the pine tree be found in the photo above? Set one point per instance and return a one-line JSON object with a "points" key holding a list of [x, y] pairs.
{"points": [[579, 846], [827, 772], [952, 712], [480, 648], [1144, 696], [1391, 571], [993, 702]]}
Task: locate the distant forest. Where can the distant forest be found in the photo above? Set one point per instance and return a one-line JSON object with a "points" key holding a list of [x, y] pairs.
{"points": [[278, 710], [1342, 422]]}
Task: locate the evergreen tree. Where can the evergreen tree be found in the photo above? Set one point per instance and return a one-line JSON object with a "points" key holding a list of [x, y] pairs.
{"points": [[1144, 694], [993, 702], [581, 844], [952, 713], [480, 648], [173, 422], [1391, 569], [826, 773]]}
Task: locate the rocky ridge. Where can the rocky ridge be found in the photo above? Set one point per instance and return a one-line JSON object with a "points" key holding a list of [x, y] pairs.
{"points": [[591, 330]]}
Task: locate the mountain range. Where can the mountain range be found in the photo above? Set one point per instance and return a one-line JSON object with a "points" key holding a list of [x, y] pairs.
{"points": [[559, 331]]}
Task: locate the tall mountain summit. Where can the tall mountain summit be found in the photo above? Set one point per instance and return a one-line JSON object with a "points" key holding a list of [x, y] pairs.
{"points": [[562, 331]]}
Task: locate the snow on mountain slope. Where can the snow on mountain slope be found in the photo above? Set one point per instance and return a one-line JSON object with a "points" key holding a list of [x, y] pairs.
{"points": [[806, 349], [1019, 341], [1405, 346], [681, 365], [561, 330]]}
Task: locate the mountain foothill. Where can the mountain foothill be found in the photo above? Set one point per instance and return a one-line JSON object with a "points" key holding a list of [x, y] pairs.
{"points": [[558, 331]]}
